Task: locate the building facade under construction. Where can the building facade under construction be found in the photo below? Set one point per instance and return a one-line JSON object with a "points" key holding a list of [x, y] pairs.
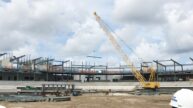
{"points": [[23, 68]]}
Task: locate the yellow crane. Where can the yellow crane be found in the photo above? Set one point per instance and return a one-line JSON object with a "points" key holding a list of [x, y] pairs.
{"points": [[151, 84]]}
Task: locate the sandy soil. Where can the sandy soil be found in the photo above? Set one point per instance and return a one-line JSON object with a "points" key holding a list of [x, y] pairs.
{"points": [[100, 102]]}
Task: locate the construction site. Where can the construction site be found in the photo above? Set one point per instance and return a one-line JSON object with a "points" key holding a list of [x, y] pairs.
{"points": [[25, 79], [45, 82]]}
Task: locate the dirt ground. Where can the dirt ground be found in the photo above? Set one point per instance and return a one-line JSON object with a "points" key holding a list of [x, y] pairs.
{"points": [[100, 102]]}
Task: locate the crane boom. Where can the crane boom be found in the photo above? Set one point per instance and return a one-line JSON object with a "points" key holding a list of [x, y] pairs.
{"points": [[124, 56]]}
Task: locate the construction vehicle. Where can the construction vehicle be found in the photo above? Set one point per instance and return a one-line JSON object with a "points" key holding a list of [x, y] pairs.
{"points": [[149, 69], [151, 84]]}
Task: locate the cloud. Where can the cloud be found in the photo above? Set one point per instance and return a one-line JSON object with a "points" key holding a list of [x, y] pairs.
{"points": [[139, 11], [178, 29], [22, 21], [40, 21], [153, 29], [150, 51], [86, 39], [6, 0], [27, 50], [159, 22]]}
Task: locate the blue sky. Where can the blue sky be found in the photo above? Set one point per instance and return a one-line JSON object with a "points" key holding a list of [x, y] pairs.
{"points": [[66, 29]]}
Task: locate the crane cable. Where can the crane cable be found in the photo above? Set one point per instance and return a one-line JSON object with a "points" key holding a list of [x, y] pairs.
{"points": [[127, 46]]}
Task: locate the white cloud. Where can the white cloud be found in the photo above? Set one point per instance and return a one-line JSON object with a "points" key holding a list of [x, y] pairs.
{"points": [[179, 33], [23, 20], [153, 29], [40, 20], [86, 39], [165, 26], [139, 11], [27, 50], [150, 51]]}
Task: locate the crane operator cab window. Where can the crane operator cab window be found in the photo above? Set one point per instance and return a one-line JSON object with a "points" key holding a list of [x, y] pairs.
{"points": [[182, 99]]}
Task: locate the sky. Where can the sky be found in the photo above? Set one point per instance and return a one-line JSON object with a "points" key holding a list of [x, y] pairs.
{"points": [[66, 29]]}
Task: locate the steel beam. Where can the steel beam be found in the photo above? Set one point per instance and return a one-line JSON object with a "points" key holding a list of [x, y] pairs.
{"points": [[62, 61], [34, 66], [94, 57], [164, 60], [158, 63], [3, 54], [45, 61], [187, 64], [191, 58], [36, 59], [16, 58], [175, 62]]}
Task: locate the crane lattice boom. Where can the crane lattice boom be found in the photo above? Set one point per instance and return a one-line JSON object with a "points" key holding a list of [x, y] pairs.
{"points": [[124, 56]]}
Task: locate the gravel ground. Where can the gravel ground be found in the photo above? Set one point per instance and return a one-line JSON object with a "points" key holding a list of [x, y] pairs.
{"points": [[93, 101]]}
